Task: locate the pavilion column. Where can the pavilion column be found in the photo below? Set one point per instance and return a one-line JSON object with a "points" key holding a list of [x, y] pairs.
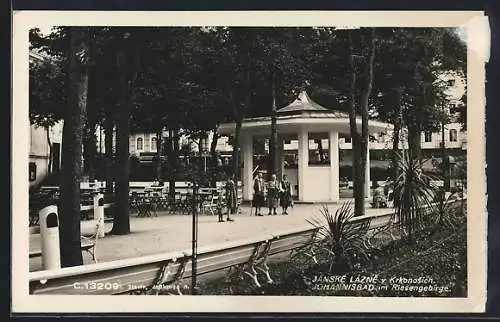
{"points": [[281, 156], [367, 173], [303, 150], [333, 147], [247, 178]]}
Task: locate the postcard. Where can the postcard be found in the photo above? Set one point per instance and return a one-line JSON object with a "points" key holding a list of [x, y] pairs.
{"points": [[249, 161]]}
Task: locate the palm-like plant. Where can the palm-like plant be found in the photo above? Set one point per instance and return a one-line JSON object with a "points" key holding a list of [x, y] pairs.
{"points": [[413, 195], [342, 239]]}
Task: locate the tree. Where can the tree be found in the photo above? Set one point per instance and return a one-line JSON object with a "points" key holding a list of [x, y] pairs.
{"points": [[279, 58], [69, 217], [47, 79], [127, 57], [360, 140], [407, 81], [46, 97], [90, 140]]}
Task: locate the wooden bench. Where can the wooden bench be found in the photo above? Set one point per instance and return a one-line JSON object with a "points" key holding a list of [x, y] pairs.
{"points": [[88, 244]]}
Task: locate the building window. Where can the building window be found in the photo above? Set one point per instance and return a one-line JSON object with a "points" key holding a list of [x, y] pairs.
{"points": [[428, 136], [153, 143], [453, 135], [139, 144]]}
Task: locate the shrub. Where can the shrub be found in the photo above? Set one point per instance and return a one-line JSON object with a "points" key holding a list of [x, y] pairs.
{"points": [[341, 244], [413, 195]]}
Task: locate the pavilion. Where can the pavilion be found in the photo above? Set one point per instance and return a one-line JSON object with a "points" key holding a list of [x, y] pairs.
{"points": [[303, 120]]}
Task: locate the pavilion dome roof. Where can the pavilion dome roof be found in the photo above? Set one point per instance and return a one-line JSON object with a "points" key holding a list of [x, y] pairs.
{"points": [[305, 105]]}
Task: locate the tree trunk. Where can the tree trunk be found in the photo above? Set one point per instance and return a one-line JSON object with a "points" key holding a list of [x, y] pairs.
{"points": [[159, 152], [360, 141], [397, 129], [173, 160], [69, 211], [358, 175], [357, 169], [108, 149], [236, 151], [172, 163], [89, 148], [49, 143], [273, 144], [414, 144], [445, 165], [121, 222], [395, 150], [365, 96], [213, 158]]}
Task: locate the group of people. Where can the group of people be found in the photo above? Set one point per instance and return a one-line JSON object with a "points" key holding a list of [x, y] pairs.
{"points": [[271, 193], [274, 192]]}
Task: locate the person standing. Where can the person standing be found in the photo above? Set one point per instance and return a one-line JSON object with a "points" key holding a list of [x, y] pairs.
{"points": [[258, 194], [231, 202], [285, 194], [273, 187]]}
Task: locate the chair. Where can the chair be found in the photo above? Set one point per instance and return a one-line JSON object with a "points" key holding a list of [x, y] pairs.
{"points": [[175, 202], [144, 206], [210, 204], [239, 199], [89, 243], [133, 202]]}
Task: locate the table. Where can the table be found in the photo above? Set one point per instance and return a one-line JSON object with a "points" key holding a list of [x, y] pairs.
{"points": [[144, 204]]}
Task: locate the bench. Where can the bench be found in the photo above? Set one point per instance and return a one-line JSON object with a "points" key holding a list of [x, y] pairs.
{"points": [[152, 273], [88, 244]]}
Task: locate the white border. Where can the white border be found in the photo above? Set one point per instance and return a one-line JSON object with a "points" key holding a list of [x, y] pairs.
{"points": [[23, 302]]}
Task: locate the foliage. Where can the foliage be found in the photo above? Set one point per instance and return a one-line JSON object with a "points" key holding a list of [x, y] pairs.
{"points": [[47, 79], [342, 243], [438, 255], [413, 195]]}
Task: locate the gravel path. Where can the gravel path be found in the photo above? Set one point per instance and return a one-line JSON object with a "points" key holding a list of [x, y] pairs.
{"points": [[167, 233]]}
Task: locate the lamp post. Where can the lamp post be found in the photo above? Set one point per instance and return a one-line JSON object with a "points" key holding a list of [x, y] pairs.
{"points": [[194, 250]]}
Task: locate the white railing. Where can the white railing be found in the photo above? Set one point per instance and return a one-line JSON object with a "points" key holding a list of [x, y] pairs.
{"points": [[169, 271]]}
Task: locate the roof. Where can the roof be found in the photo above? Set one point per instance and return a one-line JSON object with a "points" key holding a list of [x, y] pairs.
{"points": [[303, 113], [305, 105]]}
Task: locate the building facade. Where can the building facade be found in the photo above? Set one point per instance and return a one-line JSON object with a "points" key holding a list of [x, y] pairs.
{"points": [[40, 157]]}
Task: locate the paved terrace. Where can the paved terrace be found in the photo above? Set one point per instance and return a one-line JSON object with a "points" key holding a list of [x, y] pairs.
{"points": [[167, 233]]}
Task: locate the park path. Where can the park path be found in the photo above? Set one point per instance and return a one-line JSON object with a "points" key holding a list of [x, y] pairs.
{"points": [[167, 233]]}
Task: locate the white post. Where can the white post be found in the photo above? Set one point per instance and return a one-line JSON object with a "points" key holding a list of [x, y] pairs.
{"points": [[333, 147], [49, 232], [367, 173], [247, 179], [303, 150], [99, 212]]}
